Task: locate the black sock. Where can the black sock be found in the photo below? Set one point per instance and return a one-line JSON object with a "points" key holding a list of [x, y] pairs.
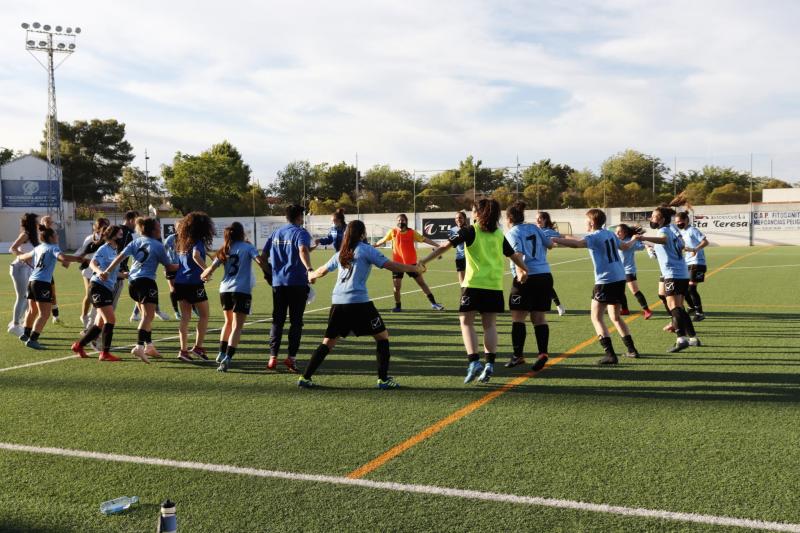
{"points": [[90, 335], [35, 336], [642, 300], [627, 340], [542, 332], [141, 338], [431, 299], [149, 337], [397, 304], [698, 303], [230, 351], [316, 359], [108, 335], [666, 305], [605, 342], [555, 298], [223, 346], [687, 320], [624, 302], [55, 311], [473, 357], [490, 357], [173, 298], [518, 334], [689, 298], [678, 321], [27, 332], [383, 359]]}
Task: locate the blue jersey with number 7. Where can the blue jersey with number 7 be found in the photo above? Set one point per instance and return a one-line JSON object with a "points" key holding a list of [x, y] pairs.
{"points": [[532, 243], [238, 268]]}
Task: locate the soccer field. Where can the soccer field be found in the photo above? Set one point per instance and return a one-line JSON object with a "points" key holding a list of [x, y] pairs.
{"points": [[703, 440]]}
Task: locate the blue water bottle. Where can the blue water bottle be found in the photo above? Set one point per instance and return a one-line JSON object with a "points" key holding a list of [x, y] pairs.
{"points": [[167, 522]]}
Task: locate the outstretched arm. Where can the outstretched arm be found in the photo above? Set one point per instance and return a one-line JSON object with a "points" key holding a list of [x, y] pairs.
{"points": [[393, 266], [436, 253], [569, 242]]}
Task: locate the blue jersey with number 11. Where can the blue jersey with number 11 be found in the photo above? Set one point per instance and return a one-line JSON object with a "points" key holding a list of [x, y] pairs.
{"points": [[238, 268], [531, 242], [603, 248]]}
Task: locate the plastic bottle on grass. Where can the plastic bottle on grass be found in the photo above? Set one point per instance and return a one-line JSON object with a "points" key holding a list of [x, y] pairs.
{"points": [[118, 505]]}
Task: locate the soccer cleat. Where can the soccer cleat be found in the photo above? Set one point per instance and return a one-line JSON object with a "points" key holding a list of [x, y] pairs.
{"points": [[699, 317], [23, 337], [561, 310], [195, 313], [273, 362], [291, 365], [162, 315], [540, 362], [625, 312], [220, 357], [634, 354], [679, 345], [58, 322], [390, 383], [15, 329], [473, 370], [141, 353], [514, 361], [134, 316], [78, 350], [177, 315], [647, 314], [30, 343], [304, 383], [225, 364], [108, 356], [150, 351], [437, 307], [691, 310], [694, 341], [199, 352], [486, 375], [397, 309], [669, 328], [608, 359], [184, 356]]}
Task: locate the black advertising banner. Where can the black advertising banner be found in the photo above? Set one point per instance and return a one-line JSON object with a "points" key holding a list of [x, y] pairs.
{"points": [[437, 229]]}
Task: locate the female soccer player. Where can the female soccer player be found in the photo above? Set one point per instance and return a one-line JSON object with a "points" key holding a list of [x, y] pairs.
{"points": [[336, 232], [352, 311], [40, 284], [101, 294], [695, 258], [483, 283], [404, 251], [21, 270], [48, 222], [195, 236], [91, 243], [461, 262], [169, 246], [609, 279], [545, 223], [669, 251], [235, 291], [625, 233], [529, 300], [147, 252]]}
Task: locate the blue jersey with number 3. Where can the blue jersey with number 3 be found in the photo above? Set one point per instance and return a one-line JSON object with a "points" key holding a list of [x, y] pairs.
{"points": [[603, 248], [531, 242], [238, 268]]}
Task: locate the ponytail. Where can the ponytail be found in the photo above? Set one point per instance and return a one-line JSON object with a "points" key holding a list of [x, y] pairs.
{"points": [[516, 212], [353, 235], [233, 233]]}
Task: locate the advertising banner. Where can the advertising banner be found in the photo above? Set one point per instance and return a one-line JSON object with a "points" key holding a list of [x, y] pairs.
{"points": [[437, 229], [776, 220], [30, 193]]}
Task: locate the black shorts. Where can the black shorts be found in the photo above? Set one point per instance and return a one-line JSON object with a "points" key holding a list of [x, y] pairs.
{"points": [[609, 293], [533, 295], [171, 275], [238, 302], [191, 292], [399, 275], [40, 291], [630, 277], [697, 273], [358, 319], [461, 264], [143, 291], [100, 296], [676, 287], [481, 300]]}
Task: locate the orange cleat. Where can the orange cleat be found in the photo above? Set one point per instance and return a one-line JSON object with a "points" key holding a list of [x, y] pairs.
{"points": [[273, 363], [108, 356], [79, 351]]}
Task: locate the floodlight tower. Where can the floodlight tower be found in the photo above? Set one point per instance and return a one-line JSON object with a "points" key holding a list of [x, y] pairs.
{"points": [[51, 41]]}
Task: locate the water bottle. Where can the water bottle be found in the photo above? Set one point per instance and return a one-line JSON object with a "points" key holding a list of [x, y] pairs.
{"points": [[118, 505], [167, 522]]}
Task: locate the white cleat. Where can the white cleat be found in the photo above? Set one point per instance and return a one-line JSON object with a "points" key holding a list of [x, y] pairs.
{"points": [[561, 310], [437, 307], [694, 341], [162, 315], [15, 329]]}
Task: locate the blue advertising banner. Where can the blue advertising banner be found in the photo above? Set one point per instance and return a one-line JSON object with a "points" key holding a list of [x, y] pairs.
{"points": [[30, 193]]}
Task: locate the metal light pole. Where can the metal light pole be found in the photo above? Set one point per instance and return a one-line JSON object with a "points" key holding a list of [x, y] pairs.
{"points": [[146, 178], [358, 206], [50, 41]]}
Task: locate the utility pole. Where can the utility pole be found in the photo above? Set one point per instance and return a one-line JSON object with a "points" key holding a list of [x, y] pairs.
{"points": [[147, 178]]}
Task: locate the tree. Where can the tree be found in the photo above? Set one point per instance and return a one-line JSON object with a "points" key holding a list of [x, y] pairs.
{"points": [[213, 181], [503, 196], [634, 195], [381, 179], [397, 201], [289, 185], [729, 193], [631, 166], [540, 196], [604, 194], [93, 155], [321, 207], [136, 190], [334, 181], [695, 193], [772, 183], [6, 155]]}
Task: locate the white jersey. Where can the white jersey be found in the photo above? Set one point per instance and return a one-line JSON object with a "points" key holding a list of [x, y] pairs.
{"points": [[25, 248]]}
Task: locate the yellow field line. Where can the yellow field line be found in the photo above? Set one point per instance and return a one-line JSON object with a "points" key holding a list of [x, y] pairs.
{"points": [[436, 427]]}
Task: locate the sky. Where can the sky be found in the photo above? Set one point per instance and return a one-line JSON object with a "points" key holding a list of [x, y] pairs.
{"points": [[420, 84]]}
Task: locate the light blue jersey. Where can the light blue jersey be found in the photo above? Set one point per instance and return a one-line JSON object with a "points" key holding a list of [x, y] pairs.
{"points": [[550, 233], [531, 242], [238, 268], [169, 246], [188, 269], [460, 248], [45, 257], [627, 256], [692, 237], [603, 248], [104, 256], [670, 254], [147, 253], [351, 283]]}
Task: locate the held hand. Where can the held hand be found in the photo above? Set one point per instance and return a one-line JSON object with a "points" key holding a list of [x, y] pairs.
{"points": [[522, 277], [421, 268], [103, 275], [312, 277]]}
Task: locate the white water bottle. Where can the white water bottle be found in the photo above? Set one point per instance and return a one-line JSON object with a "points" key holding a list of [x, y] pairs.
{"points": [[118, 505]]}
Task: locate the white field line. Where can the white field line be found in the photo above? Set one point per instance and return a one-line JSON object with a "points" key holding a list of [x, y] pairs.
{"points": [[259, 321], [411, 488], [726, 268]]}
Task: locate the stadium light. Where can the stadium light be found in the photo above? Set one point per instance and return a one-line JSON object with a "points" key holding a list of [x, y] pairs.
{"points": [[46, 27], [36, 25], [25, 25]]}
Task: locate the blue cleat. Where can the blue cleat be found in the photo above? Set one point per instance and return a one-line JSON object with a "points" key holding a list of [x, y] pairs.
{"points": [[486, 375], [473, 370], [220, 357], [304, 383], [390, 383], [224, 364], [30, 343]]}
